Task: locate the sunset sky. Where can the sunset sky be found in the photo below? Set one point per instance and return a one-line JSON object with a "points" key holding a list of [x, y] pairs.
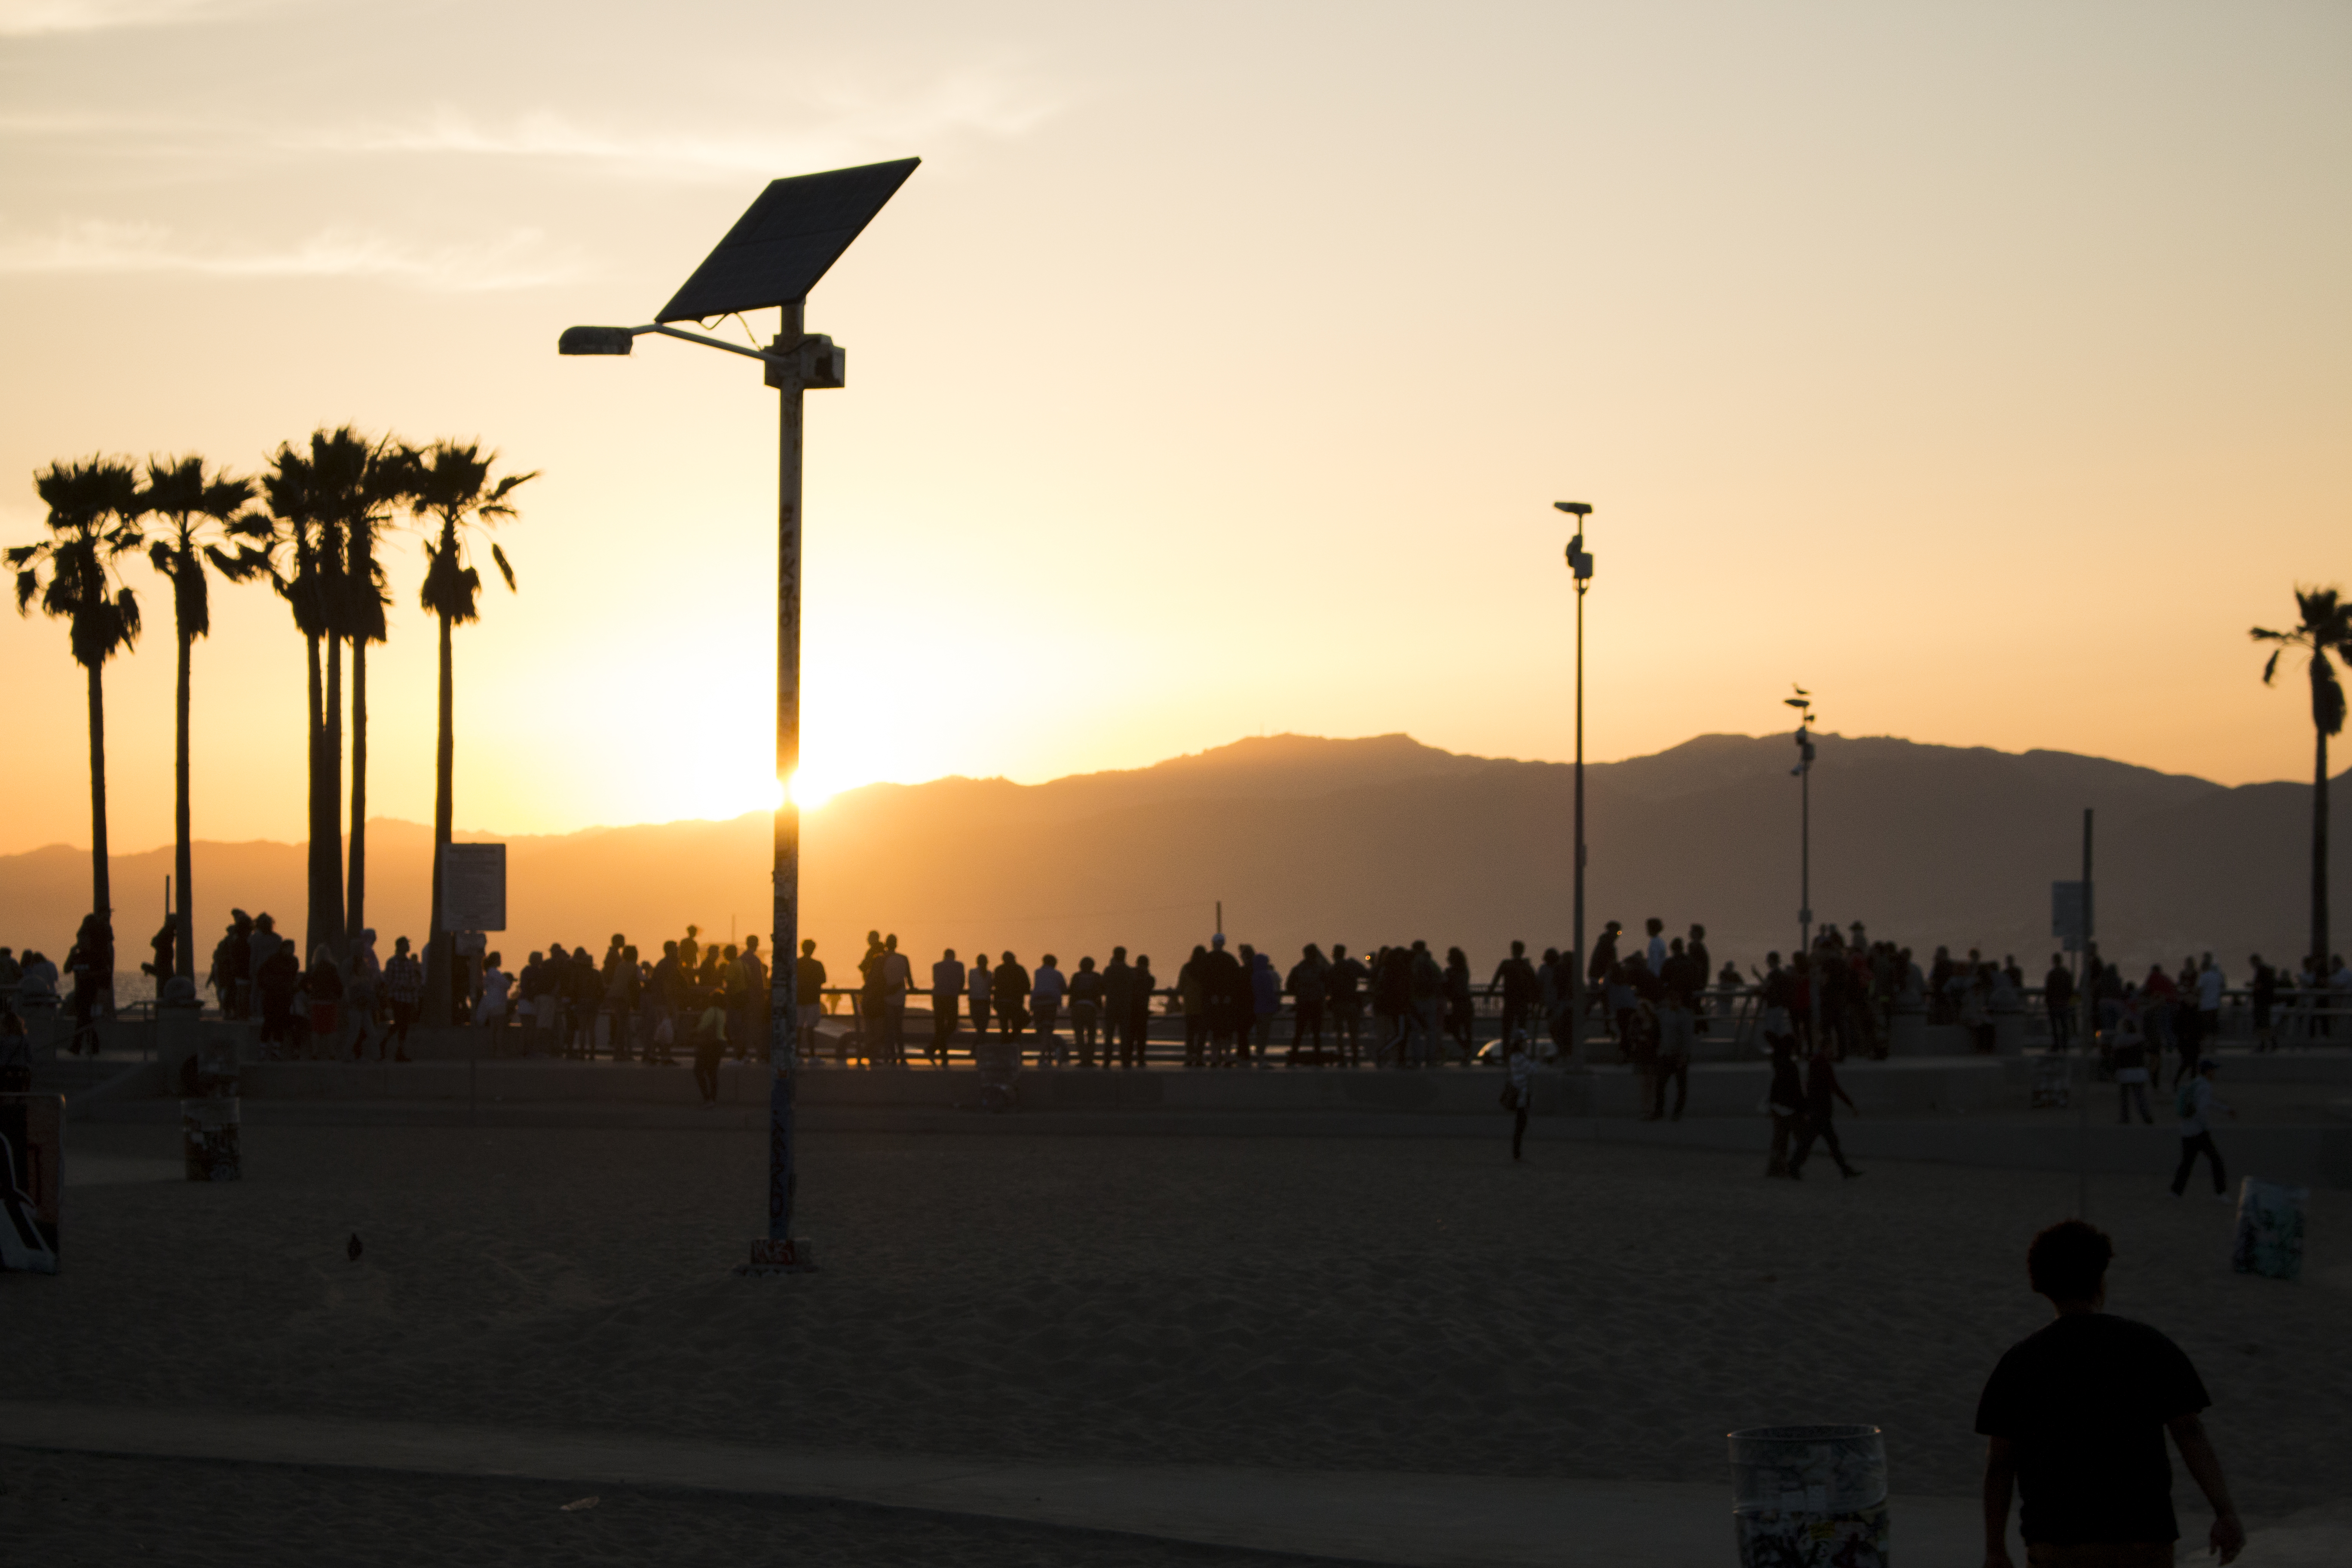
{"points": [[1986, 367]]}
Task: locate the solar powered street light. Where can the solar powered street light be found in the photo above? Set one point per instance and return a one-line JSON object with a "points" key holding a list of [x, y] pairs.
{"points": [[773, 256]]}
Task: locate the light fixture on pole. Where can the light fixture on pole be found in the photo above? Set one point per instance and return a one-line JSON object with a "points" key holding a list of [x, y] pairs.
{"points": [[770, 260], [1803, 772], [1580, 563]]}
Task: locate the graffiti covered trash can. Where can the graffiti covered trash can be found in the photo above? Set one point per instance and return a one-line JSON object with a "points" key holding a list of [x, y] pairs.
{"points": [[2269, 1239], [1810, 1497], [208, 1137]]}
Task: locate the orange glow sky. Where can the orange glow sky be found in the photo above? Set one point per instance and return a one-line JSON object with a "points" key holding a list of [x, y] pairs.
{"points": [[1987, 367]]}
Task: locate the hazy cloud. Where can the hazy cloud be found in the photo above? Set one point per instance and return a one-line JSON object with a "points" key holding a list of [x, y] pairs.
{"points": [[849, 130], [27, 18], [518, 259]]}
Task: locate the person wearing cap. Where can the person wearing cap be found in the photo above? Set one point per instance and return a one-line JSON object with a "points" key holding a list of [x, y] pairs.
{"points": [[1597, 968], [2195, 1102]]}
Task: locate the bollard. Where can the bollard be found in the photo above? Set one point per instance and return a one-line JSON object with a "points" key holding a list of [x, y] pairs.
{"points": [[1810, 1497], [208, 1137]]}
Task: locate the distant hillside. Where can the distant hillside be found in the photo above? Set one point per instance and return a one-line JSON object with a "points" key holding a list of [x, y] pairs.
{"points": [[1367, 841]]}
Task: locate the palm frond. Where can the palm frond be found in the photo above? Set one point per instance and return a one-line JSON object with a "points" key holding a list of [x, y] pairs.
{"points": [[504, 570], [2272, 667], [2326, 695]]}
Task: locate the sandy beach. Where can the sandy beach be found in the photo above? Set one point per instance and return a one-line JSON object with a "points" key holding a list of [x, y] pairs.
{"points": [[1420, 1305]]}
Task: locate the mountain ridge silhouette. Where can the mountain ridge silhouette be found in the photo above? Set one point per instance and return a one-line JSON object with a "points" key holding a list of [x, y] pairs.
{"points": [[1363, 841]]}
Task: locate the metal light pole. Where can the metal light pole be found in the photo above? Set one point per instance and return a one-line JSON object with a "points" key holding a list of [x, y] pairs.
{"points": [[1579, 563], [1803, 772], [769, 259]]}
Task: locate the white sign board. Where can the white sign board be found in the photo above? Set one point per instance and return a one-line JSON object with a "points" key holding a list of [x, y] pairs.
{"points": [[2070, 914], [474, 887]]}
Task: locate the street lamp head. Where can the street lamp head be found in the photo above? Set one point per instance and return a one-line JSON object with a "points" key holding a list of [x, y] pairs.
{"points": [[1575, 508], [594, 340]]}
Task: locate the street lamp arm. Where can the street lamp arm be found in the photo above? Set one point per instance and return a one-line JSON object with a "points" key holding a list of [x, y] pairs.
{"points": [[615, 341], [720, 343]]}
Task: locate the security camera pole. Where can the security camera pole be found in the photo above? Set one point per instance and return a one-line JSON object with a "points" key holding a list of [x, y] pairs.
{"points": [[1580, 562], [769, 259]]}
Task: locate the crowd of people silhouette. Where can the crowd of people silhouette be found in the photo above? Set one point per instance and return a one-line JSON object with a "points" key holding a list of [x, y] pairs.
{"points": [[1646, 999]]}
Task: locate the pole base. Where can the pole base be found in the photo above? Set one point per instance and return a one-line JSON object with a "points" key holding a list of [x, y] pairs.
{"points": [[779, 1257]]}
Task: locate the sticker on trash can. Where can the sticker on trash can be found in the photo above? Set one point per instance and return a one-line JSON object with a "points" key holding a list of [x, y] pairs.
{"points": [[2269, 1240], [1799, 1540], [1810, 1497]]}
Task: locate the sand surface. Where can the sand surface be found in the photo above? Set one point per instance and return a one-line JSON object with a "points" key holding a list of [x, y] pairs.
{"points": [[1419, 1305], [67, 1508]]}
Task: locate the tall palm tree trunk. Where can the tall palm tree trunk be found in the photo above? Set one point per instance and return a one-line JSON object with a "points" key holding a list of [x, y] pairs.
{"points": [[355, 919], [101, 887], [322, 809], [332, 745], [437, 956], [184, 854], [2319, 948]]}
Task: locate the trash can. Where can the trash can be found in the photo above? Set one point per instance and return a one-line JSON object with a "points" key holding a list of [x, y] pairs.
{"points": [[1810, 1497], [208, 1137]]}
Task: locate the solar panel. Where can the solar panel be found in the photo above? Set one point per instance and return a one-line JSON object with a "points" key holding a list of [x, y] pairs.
{"points": [[791, 235]]}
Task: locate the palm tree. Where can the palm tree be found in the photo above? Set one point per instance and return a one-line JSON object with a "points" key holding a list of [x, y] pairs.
{"points": [[382, 483], [93, 523], [298, 488], [206, 514], [323, 500], [2326, 627], [451, 484]]}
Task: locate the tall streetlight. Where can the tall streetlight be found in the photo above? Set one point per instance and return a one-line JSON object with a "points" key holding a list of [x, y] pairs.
{"points": [[1803, 774], [770, 260], [1579, 563]]}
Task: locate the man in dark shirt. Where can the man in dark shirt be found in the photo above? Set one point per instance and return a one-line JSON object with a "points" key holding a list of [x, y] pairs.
{"points": [[1135, 1049], [2058, 996], [1514, 977], [1680, 980], [808, 996], [1703, 962], [1226, 989], [1119, 1007], [2077, 1416]]}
